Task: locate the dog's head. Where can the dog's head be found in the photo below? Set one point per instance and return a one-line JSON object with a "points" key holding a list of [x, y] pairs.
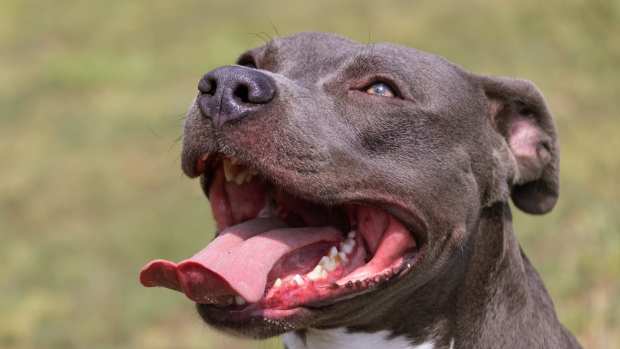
{"points": [[337, 169]]}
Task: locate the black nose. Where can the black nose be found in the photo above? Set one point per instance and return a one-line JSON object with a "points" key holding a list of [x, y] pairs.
{"points": [[233, 92]]}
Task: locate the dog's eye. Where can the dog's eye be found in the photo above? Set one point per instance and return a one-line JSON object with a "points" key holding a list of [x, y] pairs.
{"points": [[380, 89]]}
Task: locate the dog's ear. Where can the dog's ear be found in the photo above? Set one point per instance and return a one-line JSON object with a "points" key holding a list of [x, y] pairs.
{"points": [[519, 113]]}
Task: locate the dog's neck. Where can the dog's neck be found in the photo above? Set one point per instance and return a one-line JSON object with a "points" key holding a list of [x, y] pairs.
{"points": [[482, 301]]}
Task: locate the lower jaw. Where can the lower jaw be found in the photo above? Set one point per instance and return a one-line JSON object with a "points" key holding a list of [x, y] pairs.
{"points": [[280, 310], [257, 323], [326, 293]]}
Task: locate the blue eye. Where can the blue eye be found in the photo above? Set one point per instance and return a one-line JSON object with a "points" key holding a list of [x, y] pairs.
{"points": [[380, 89]]}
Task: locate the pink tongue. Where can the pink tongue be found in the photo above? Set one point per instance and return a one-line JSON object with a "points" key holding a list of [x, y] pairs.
{"points": [[236, 262]]}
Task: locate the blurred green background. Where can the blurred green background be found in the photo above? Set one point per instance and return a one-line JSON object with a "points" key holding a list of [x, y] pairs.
{"points": [[92, 96]]}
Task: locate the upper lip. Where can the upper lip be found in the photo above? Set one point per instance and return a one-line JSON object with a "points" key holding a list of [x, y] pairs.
{"points": [[194, 163], [410, 216]]}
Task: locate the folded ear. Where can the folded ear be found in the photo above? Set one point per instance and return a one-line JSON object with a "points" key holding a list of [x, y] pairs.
{"points": [[519, 113]]}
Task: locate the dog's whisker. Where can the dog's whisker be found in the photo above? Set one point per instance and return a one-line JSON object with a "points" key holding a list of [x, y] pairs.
{"points": [[260, 36], [274, 28]]}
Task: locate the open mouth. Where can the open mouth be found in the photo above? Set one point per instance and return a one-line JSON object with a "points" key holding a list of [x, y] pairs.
{"points": [[277, 251]]}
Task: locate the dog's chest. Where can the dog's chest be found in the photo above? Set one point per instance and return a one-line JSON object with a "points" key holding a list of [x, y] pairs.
{"points": [[340, 338]]}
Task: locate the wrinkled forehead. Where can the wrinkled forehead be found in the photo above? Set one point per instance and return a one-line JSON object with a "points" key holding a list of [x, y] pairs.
{"points": [[309, 57]]}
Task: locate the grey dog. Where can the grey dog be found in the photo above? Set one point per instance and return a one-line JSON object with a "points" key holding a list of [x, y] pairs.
{"points": [[361, 194]]}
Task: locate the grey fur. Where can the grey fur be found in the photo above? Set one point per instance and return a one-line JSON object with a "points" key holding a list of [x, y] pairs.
{"points": [[445, 159]]}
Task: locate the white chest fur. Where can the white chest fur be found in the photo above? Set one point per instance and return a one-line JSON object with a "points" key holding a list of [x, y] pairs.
{"points": [[341, 339]]}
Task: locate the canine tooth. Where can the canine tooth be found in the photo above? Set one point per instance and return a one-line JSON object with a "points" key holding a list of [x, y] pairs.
{"points": [[234, 161], [228, 170], [277, 283], [351, 234], [298, 279], [239, 300], [343, 257]]}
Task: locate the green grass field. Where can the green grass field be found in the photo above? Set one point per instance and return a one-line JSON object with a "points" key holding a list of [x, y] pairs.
{"points": [[92, 96]]}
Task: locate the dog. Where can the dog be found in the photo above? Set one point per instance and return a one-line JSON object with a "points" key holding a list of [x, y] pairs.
{"points": [[361, 195]]}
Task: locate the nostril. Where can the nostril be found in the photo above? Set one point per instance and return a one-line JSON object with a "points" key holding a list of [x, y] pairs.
{"points": [[207, 85], [233, 92], [242, 92]]}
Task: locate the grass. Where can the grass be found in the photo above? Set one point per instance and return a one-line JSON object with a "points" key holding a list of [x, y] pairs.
{"points": [[92, 96]]}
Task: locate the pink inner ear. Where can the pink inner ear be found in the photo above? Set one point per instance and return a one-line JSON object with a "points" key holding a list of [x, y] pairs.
{"points": [[525, 140]]}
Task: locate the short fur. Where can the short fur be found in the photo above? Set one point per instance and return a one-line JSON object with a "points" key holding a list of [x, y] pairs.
{"points": [[445, 159]]}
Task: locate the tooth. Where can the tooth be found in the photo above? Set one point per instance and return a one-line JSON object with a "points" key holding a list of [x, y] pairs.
{"points": [[316, 273], [248, 177], [329, 264], [239, 300], [324, 260], [351, 234], [241, 177], [278, 283], [333, 252], [228, 170], [234, 161], [250, 174], [343, 257], [298, 279], [347, 247]]}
